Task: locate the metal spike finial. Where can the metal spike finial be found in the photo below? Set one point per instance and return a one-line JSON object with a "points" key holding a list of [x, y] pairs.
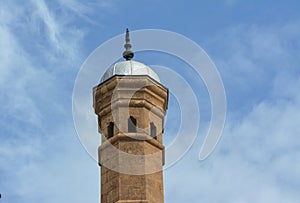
{"points": [[127, 54]]}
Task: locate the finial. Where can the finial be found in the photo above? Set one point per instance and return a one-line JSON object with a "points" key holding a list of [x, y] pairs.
{"points": [[127, 54]]}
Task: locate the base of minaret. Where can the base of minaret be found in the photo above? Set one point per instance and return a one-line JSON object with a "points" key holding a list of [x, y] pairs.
{"points": [[131, 178]]}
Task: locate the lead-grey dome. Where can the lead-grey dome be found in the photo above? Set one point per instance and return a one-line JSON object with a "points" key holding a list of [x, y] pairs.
{"points": [[129, 68]]}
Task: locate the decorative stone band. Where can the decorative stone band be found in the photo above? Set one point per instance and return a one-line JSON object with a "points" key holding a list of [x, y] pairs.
{"points": [[148, 155], [134, 102], [141, 136], [125, 84]]}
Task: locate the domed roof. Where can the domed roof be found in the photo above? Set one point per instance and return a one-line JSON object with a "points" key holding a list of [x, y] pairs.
{"points": [[129, 67]]}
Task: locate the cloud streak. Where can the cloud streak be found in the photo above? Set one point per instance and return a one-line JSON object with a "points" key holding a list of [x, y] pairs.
{"points": [[39, 156], [258, 155]]}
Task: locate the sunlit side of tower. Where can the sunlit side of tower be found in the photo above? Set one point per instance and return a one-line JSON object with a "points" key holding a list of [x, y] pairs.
{"points": [[131, 104]]}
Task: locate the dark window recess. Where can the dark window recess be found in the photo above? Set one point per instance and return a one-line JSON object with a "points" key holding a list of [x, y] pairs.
{"points": [[131, 124], [110, 130], [153, 130]]}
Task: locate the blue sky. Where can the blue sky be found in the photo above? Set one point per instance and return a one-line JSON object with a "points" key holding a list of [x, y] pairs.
{"points": [[255, 46]]}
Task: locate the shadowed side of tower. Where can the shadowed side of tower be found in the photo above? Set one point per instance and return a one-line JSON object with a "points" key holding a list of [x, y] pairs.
{"points": [[131, 104]]}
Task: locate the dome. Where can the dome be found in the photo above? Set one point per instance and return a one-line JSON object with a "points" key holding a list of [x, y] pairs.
{"points": [[129, 67]]}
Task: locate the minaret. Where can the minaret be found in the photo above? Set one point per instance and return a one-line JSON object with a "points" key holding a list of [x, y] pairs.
{"points": [[131, 104]]}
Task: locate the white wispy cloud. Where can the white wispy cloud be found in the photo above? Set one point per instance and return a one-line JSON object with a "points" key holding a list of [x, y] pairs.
{"points": [[51, 23], [84, 10], [40, 47], [257, 159]]}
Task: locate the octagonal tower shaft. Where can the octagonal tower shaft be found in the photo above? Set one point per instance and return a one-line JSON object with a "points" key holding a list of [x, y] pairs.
{"points": [[131, 112]]}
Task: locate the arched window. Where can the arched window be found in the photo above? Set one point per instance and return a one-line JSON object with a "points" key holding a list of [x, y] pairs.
{"points": [[110, 130], [131, 124], [153, 130]]}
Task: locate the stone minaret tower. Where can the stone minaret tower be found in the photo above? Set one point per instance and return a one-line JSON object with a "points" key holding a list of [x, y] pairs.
{"points": [[131, 104]]}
